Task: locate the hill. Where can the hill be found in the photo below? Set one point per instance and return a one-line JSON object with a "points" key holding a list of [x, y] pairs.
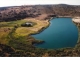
{"points": [[38, 11]]}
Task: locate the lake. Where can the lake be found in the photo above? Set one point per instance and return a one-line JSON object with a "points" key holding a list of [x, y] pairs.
{"points": [[61, 33]]}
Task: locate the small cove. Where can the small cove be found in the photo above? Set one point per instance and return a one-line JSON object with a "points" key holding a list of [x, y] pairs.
{"points": [[61, 33]]}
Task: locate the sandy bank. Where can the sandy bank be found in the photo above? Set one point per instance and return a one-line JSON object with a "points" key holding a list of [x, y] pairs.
{"points": [[76, 19]]}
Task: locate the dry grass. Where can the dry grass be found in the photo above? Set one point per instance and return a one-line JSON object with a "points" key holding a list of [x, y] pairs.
{"points": [[4, 31], [25, 31]]}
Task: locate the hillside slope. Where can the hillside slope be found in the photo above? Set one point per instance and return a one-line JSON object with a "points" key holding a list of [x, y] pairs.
{"points": [[20, 12]]}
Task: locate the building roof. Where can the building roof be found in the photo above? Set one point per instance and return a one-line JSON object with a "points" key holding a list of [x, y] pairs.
{"points": [[28, 23]]}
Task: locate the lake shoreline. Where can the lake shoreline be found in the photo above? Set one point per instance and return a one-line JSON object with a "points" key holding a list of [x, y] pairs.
{"points": [[76, 21], [59, 50], [38, 32], [43, 28]]}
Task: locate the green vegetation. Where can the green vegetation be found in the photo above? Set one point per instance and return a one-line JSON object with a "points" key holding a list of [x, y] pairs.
{"points": [[15, 40], [12, 23], [4, 31], [14, 35]]}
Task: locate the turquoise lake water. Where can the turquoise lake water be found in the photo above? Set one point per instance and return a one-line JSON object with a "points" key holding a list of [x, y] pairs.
{"points": [[60, 34]]}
